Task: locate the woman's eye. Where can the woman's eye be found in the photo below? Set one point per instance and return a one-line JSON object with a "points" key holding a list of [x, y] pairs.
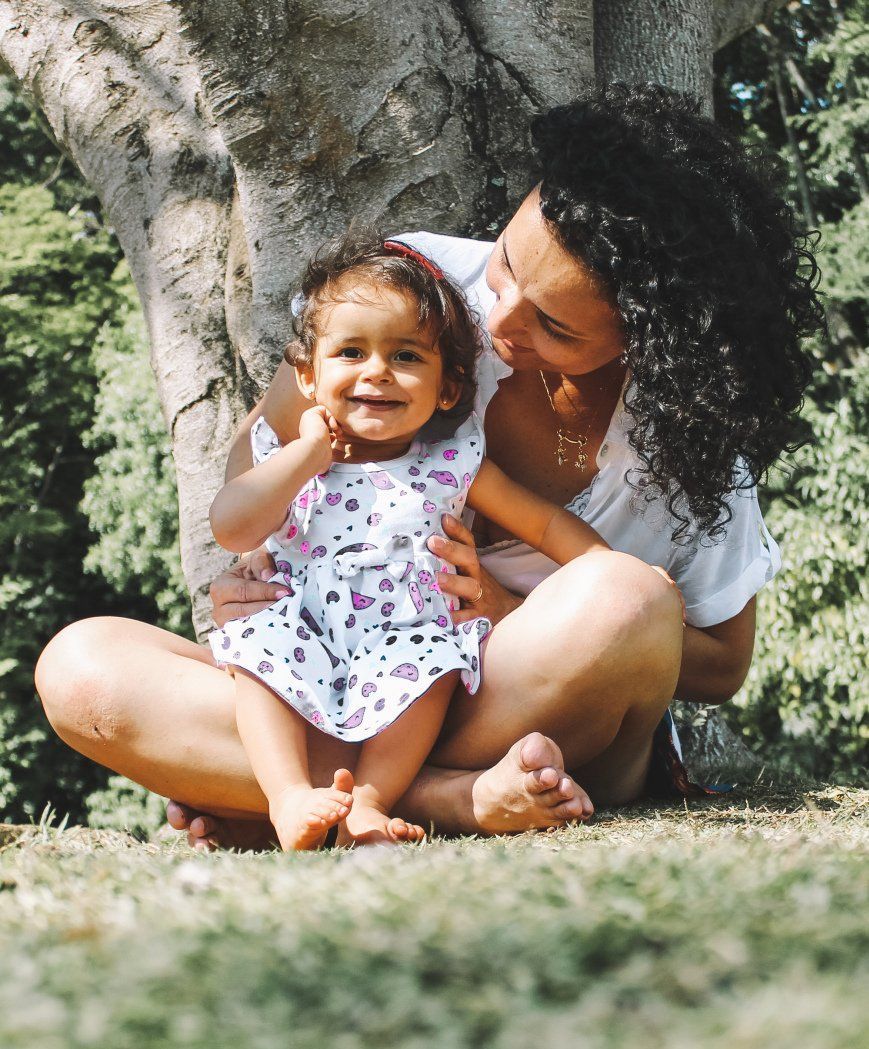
{"points": [[547, 327]]}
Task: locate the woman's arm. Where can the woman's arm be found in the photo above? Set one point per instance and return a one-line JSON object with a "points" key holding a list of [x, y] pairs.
{"points": [[282, 407], [715, 659], [254, 504], [547, 527]]}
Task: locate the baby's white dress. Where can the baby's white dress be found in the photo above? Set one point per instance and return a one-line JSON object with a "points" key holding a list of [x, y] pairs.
{"points": [[365, 630]]}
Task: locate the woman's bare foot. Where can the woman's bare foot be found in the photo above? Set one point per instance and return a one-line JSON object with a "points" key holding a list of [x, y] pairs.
{"points": [[303, 815], [367, 825], [207, 833], [528, 789]]}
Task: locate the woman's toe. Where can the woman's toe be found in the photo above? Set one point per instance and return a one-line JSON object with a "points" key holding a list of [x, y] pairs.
{"points": [[206, 843], [178, 816], [540, 780], [397, 829], [202, 825]]}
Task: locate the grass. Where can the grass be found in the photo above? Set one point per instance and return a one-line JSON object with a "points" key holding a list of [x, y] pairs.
{"points": [[735, 923]]}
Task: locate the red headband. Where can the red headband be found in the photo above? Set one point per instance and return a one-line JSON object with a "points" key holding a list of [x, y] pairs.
{"points": [[395, 247]]}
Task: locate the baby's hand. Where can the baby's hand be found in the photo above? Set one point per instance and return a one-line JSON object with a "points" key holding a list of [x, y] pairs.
{"points": [[319, 427]]}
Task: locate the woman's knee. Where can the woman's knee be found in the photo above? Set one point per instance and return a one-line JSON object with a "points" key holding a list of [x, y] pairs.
{"points": [[74, 676], [619, 594]]}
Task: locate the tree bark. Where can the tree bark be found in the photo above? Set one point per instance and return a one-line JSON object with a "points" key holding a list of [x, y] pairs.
{"points": [[732, 18], [668, 41]]}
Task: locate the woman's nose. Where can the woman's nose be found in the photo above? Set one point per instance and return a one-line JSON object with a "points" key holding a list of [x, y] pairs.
{"points": [[505, 321]]}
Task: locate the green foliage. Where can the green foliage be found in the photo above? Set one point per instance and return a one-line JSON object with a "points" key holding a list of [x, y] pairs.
{"points": [[845, 256], [56, 290], [807, 698], [71, 345], [125, 806], [131, 501], [806, 701]]}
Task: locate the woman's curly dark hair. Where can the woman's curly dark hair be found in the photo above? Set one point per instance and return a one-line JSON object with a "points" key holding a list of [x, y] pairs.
{"points": [[441, 305], [713, 278]]}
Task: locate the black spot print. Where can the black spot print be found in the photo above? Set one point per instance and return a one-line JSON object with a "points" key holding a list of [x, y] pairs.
{"points": [[267, 652], [417, 639], [391, 640]]}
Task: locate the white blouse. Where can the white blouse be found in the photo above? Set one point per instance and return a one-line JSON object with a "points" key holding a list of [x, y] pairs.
{"points": [[717, 578]]}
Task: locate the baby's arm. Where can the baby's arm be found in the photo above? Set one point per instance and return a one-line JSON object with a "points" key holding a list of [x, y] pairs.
{"points": [[254, 504], [549, 528]]}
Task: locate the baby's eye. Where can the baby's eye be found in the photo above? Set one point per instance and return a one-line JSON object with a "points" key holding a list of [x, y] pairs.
{"points": [[352, 353], [406, 356]]}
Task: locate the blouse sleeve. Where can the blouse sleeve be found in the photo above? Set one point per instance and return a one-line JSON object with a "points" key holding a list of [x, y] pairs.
{"points": [[719, 578], [264, 441]]}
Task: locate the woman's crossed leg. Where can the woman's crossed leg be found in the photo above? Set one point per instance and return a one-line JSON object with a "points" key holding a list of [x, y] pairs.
{"points": [[576, 678]]}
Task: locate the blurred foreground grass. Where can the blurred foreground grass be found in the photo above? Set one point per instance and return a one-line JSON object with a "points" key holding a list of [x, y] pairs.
{"points": [[733, 924]]}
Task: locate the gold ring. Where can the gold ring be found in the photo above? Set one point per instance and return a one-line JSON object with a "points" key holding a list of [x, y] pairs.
{"points": [[474, 600]]}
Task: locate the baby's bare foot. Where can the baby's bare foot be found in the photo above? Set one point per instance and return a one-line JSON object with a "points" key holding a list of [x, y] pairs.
{"points": [[368, 825], [528, 789], [303, 815]]}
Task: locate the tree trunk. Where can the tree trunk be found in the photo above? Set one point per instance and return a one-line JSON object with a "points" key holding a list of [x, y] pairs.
{"points": [[668, 41]]}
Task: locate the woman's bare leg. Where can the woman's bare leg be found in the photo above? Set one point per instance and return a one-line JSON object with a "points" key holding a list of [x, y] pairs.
{"points": [[593, 662]]}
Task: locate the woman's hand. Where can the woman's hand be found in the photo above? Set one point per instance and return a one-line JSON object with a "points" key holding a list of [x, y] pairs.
{"points": [[663, 572], [479, 592], [241, 590]]}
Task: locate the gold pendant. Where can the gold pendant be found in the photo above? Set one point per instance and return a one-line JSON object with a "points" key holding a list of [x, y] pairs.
{"points": [[580, 459]]}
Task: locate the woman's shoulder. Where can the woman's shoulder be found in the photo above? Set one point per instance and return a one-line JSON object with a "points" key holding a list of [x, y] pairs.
{"points": [[462, 260]]}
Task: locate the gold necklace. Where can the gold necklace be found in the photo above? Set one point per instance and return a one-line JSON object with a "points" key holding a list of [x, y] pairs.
{"points": [[579, 441]]}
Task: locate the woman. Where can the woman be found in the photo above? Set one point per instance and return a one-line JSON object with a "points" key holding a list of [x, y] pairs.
{"points": [[644, 307]]}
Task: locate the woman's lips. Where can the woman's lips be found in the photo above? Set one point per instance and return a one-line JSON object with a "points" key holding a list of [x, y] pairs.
{"points": [[514, 347]]}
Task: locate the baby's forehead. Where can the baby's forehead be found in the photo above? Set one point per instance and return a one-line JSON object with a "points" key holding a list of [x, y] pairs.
{"points": [[371, 304]]}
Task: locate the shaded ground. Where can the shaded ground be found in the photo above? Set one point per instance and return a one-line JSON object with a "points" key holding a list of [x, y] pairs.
{"points": [[735, 923]]}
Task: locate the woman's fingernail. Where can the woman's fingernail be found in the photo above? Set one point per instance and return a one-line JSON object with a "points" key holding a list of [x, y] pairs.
{"points": [[282, 593], [265, 575], [438, 540]]}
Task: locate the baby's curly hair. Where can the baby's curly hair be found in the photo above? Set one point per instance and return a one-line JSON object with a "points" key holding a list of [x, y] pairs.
{"points": [[442, 306], [714, 280]]}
